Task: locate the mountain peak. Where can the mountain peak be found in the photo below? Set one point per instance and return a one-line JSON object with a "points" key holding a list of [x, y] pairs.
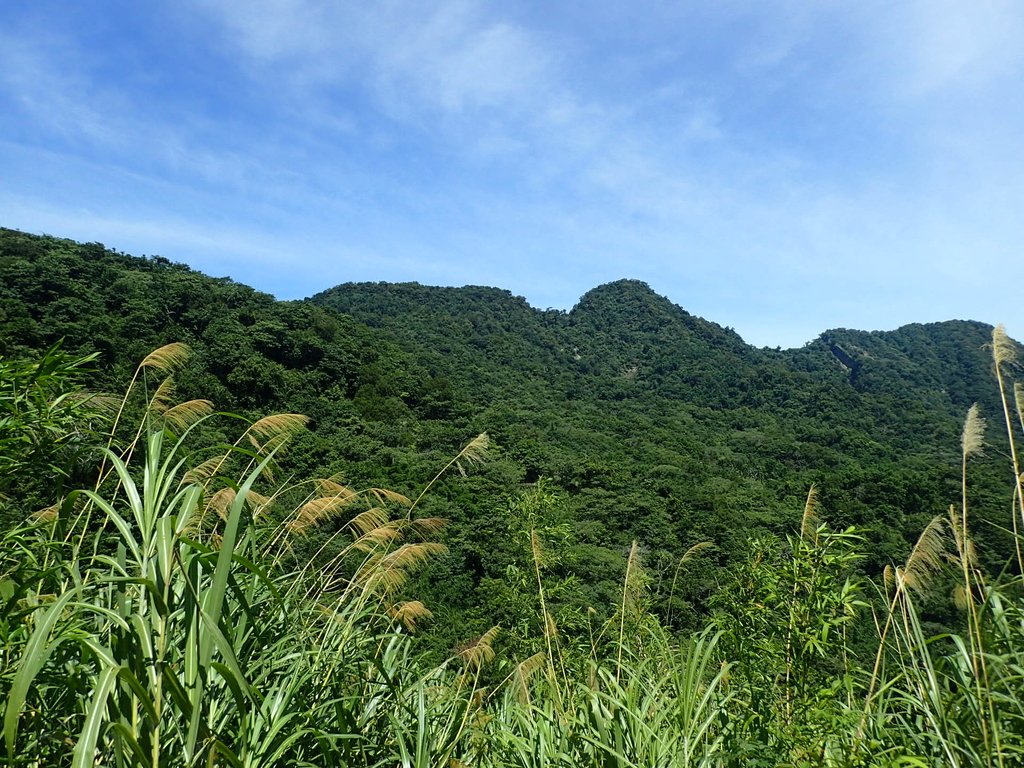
{"points": [[630, 314], [627, 301], [625, 289]]}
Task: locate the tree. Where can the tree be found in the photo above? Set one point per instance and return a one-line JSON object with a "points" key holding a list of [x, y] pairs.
{"points": [[48, 424]]}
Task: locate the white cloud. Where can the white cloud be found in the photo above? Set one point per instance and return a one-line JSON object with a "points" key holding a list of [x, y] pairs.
{"points": [[954, 44], [449, 56], [47, 82]]}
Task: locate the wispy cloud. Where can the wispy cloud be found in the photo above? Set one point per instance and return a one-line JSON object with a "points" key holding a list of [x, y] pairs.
{"points": [[47, 84], [447, 56], [950, 46]]}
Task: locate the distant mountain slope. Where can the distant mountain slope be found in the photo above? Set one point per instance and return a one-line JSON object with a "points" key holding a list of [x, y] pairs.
{"points": [[624, 341], [123, 306], [251, 352], [467, 333], [949, 359]]}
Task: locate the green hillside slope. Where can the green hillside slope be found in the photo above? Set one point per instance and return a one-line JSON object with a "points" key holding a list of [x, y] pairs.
{"points": [[640, 420]]}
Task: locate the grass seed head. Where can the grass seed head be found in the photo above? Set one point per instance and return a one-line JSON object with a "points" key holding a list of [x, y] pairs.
{"points": [[410, 613], [163, 396], [926, 559], [974, 432], [167, 358], [1003, 349], [809, 519], [480, 651], [184, 415], [220, 501]]}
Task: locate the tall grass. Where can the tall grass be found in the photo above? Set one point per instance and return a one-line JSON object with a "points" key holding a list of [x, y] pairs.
{"points": [[159, 618], [150, 624]]}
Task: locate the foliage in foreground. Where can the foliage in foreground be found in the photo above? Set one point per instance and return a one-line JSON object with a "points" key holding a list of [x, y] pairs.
{"points": [[155, 619]]}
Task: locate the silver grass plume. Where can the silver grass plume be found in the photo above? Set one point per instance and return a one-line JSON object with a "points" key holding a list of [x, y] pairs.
{"points": [[473, 453], [278, 425], [480, 651], [524, 672], [203, 471], [926, 558], [220, 501], [409, 613], [1018, 396], [167, 358], [809, 520], [163, 396], [974, 432], [695, 550], [184, 415], [1003, 350]]}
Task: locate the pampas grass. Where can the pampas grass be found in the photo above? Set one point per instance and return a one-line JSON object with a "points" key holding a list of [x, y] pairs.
{"points": [[925, 561], [480, 651], [183, 415], [1004, 353], [472, 453], [809, 519], [168, 358]]}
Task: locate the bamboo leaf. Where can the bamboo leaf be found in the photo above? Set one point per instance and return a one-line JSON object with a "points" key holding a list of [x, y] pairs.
{"points": [[84, 755], [37, 651]]}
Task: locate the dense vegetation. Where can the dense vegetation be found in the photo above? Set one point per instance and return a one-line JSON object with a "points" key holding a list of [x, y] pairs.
{"points": [[666, 590]]}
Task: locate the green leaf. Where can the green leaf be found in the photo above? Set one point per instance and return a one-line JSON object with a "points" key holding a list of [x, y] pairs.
{"points": [[37, 651], [84, 755]]}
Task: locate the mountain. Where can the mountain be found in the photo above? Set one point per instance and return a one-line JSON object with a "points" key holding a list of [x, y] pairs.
{"points": [[626, 418], [623, 343], [629, 397]]}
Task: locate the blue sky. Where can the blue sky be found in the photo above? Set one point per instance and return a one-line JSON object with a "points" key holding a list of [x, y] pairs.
{"points": [[777, 167]]}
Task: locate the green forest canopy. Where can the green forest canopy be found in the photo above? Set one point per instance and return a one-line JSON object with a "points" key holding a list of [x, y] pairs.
{"points": [[638, 420]]}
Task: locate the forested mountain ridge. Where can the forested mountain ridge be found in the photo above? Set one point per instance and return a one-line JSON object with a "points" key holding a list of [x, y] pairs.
{"points": [[949, 358], [646, 422], [625, 329], [622, 341]]}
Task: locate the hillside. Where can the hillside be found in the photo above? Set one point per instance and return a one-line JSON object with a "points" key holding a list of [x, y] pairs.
{"points": [[649, 396], [644, 421]]}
